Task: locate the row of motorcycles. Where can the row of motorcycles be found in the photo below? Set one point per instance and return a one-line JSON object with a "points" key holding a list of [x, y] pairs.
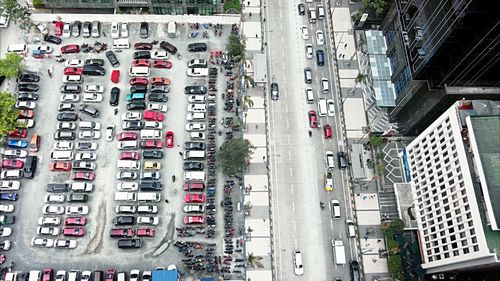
{"points": [[96, 48]]}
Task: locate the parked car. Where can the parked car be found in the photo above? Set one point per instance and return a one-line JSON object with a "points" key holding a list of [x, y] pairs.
{"points": [[70, 49], [110, 55]]}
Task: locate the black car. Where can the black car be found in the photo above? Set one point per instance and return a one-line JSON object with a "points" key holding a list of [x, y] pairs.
{"points": [[124, 220], [168, 47], [195, 90], [144, 55], [129, 243], [52, 39], [112, 58], [66, 107], [28, 87], [160, 89], [71, 89], [151, 186], [90, 110], [144, 31], [57, 187], [27, 96], [302, 9], [8, 219], [98, 62], [94, 70], [139, 105], [64, 135], [194, 145], [114, 98], [133, 125], [197, 47], [30, 166], [193, 166], [152, 154], [157, 97], [29, 78], [274, 91], [354, 270], [138, 89], [67, 116]]}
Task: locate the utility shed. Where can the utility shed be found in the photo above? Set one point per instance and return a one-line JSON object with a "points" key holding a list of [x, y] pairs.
{"points": [[165, 275]]}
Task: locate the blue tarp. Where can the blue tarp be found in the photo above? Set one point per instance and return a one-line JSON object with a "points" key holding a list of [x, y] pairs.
{"points": [[165, 275]]}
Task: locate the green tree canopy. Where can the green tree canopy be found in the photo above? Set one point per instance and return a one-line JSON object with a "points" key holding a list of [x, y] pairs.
{"points": [[234, 46], [20, 14], [376, 141], [234, 155], [378, 7], [8, 114], [10, 65]]}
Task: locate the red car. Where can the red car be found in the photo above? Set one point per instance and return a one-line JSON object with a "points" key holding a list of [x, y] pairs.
{"points": [[73, 71], [138, 81], [110, 275], [70, 49], [327, 129], [143, 46], [130, 155], [12, 164], [169, 139], [194, 219], [141, 63], [162, 64], [115, 76], [83, 176], [313, 119], [73, 231], [160, 81], [48, 274], [151, 144], [127, 136], [153, 115], [60, 166], [58, 28], [19, 133], [194, 198], [145, 232], [26, 114], [70, 221]]}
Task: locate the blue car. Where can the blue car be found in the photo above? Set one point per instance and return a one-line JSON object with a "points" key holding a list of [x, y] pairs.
{"points": [[8, 196], [17, 143]]}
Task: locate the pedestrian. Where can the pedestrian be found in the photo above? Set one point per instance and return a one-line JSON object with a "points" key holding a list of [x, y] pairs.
{"points": [[250, 14], [345, 46], [264, 158], [265, 186], [256, 126], [166, 201], [180, 153], [248, 3], [366, 238]]}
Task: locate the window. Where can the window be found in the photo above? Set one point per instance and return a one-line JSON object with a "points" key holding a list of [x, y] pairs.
{"points": [[466, 250]]}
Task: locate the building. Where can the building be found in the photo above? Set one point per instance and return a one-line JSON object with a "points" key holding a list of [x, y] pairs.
{"points": [[440, 52], [162, 7], [453, 169]]}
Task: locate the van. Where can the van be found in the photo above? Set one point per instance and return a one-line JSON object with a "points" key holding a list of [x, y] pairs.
{"points": [[197, 47], [35, 142], [119, 44], [122, 276], [322, 109], [129, 164], [308, 75], [82, 187], [196, 116], [148, 197], [171, 29], [19, 49], [129, 244], [342, 160], [312, 15], [194, 155], [194, 176], [309, 95], [127, 144], [30, 166], [125, 196], [93, 70], [168, 47], [194, 186], [136, 97], [139, 71], [197, 108], [78, 79], [61, 155], [335, 208], [11, 276], [324, 85], [321, 12], [151, 134], [90, 125], [35, 275], [12, 174], [351, 231], [4, 22], [320, 57]]}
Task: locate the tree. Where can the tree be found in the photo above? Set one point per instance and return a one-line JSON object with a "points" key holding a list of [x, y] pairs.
{"points": [[235, 48], [253, 261], [376, 141], [8, 114], [20, 14], [395, 267], [360, 79], [378, 7], [234, 156], [10, 65], [247, 100]]}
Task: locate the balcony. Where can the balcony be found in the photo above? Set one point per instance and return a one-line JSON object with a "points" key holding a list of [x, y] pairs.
{"points": [[132, 2]]}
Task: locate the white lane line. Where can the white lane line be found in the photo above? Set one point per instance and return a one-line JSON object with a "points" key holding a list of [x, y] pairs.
{"points": [[288, 139], [286, 107], [291, 172], [290, 155], [287, 124], [331, 224]]}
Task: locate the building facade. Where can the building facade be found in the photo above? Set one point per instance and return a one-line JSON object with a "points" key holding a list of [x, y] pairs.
{"points": [[172, 7], [435, 44], [453, 171]]}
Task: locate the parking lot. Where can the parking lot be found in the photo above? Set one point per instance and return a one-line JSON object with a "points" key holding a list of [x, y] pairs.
{"points": [[96, 249]]}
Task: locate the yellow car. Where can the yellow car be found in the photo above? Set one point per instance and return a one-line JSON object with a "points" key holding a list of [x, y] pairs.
{"points": [[328, 181], [152, 165]]}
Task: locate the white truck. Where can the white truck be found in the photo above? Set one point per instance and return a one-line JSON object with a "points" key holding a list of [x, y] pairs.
{"points": [[338, 251]]}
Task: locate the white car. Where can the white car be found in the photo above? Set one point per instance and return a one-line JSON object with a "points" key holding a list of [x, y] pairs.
{"points": [[148, 220], [42, 242], [193, 209], [75, 63], [10, 185], [86, 276], [89, 135], [47, 230], [331, 107], [329, 160], [127, 186], [69, 98], [298, 267], [29, 123], [153, 125], [134, 275], [63, 145], [44, 48], [93, 88], [157, 107], [126, 175], [197, 136], [42, 29], [54, 198], [6, 208], [77, 210], [320, 38], [66, 244], [48, 221], [110, 132], [90, 125], [147, 209], [131, 116], [85, 156], [115, 31], [196, 99], [5, 231], [127, 144], [5, 245], [196, 126], [309, 51], [15, 153], [25, 104], [159, 55], [61, 275], [52, 210], [124, 30], [304, 31], [66, 32], [197, 72], [66, 126], [125, 209], [92, 97]]}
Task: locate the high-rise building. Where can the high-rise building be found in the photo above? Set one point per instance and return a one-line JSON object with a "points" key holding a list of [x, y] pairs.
{"points": [[175, 7], [441, 51], [453, 168]]}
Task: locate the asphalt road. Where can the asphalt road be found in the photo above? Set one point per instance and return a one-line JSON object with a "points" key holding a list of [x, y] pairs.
{"points": [[297, 161]]}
